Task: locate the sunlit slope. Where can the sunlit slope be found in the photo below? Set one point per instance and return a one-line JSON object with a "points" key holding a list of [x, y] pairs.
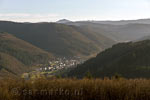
{"points": [[17, 56]]}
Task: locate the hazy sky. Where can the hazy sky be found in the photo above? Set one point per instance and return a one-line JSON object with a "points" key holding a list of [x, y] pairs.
{"points": [[52, 10]]}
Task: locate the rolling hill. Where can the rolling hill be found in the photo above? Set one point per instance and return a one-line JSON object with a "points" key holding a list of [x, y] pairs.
{"points": [[17, 56], [59, 39], [131, 60], [130, 31]]}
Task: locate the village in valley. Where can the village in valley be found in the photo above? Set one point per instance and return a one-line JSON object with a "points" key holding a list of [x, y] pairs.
{"points": [[53, 66]]}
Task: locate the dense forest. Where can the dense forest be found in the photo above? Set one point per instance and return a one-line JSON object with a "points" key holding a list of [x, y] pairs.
{"points": [[130, 60]]}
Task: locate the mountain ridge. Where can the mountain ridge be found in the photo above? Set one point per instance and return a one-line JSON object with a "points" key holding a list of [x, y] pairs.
{"points": [[58, 39]]}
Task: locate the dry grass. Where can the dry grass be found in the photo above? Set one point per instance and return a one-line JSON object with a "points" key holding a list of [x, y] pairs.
{"points": [[74, 89]]}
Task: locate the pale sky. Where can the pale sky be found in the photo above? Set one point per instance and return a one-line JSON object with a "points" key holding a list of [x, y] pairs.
{"points": [[53, 10]]}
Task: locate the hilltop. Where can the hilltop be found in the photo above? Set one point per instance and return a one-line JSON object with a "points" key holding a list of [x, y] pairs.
{"points": [[63, 21]]}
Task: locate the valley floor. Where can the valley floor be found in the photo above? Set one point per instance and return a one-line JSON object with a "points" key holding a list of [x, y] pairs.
{"points": [[75, 89], [53, 67]]}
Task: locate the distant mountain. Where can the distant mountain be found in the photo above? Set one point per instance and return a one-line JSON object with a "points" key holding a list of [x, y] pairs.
{"points": [[18, 56], [63, 21], [144, 38], [75, 38], [120, 33], [130, 60], [123, 22], [120, 22], [59, 39], [96, 36], [133, 31]]}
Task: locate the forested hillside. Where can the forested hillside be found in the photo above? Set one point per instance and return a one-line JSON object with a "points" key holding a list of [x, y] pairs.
{"points": [[17, 56], [130, 60], [59, 39]]}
